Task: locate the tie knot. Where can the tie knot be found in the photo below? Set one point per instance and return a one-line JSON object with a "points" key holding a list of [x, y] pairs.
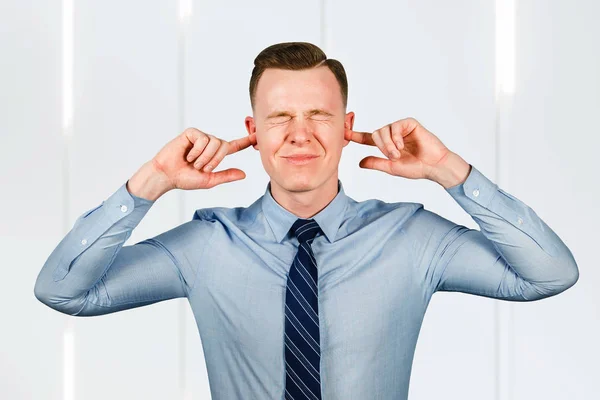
{"points": [[305, 229]]}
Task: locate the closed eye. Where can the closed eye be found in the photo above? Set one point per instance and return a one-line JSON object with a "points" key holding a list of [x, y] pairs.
{"points": [[317, 114], [320, 115], [280, 119]]}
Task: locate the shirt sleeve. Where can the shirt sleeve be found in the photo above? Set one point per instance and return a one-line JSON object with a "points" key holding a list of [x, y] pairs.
{"points": [[514, 256], [90, 272]]}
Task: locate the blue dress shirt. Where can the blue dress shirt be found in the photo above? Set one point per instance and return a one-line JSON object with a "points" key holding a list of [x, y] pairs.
{"points": [[379, 265]]}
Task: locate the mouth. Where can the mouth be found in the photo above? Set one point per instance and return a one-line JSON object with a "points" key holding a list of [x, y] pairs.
{"points": [[301, 160]]}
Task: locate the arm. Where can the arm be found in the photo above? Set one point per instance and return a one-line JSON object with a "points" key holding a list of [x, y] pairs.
{"points": [[514, 256], [90, 272]]}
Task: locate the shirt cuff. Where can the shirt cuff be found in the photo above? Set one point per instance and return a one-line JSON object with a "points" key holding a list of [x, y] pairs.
{"points": [[138, 201], [121, 206], [482, 198], [477, 187]]}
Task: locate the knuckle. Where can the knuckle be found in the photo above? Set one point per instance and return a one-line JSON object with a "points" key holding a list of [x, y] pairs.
{"points": [[212, 164], [200, 161], [191, 131]]}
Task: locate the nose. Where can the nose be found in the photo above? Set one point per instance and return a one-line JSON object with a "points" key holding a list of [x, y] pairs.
{"points": [[300, 131]]}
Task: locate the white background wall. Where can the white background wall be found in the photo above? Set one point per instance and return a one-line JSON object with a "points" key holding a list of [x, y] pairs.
{"points": [[74, 130]]}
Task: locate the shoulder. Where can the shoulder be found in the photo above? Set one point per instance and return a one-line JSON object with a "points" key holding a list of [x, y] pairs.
{"points": [[213, 217], [386, 215], [408, 216], [376, 208]]}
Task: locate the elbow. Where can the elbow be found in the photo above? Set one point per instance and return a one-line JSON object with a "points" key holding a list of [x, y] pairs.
{"points": [[44, 296], [57, 302], [567, 279], [49, 300], [572, 277], [41, 292], [568, 276], [571, 270]]}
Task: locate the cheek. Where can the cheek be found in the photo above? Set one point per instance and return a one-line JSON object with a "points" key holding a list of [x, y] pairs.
{"points": [[269, 148], [272, 145], [332, 140]]}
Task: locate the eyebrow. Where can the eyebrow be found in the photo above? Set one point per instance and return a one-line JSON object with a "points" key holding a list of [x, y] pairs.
{"points": [[281, 113]]}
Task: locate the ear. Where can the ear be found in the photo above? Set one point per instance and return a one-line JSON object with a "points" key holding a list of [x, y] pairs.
{"points": [[251, 128], [348, 124]]}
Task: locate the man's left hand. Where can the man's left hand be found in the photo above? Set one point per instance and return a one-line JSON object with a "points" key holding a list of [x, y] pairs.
{"points": [[421, 154]]}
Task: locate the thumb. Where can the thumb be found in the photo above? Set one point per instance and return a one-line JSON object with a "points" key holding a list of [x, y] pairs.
{"points": [[228, 175], [380, 164]]}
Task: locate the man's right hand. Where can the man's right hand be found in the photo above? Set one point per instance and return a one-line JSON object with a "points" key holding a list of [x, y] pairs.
{"points": [[182, 164]]}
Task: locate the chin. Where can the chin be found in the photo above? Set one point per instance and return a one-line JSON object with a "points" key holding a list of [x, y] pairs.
{"points": [[298, 183]]}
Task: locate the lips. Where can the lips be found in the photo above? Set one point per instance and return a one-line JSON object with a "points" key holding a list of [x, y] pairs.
{"points": [[301, 159], [301, 156]]}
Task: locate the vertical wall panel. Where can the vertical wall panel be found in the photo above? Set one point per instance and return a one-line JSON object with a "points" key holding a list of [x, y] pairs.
{"points": [[223, 42], [31, 196], [125, 96], [434, 61], [549, 157]]}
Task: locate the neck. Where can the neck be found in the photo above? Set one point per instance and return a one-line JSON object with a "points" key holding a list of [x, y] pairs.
{"points": [[306, 203]]}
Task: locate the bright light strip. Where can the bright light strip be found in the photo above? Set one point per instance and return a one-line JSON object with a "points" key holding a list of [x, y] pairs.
{"points": [[505, 46], [67, 66], [67, 128], [69, 360], [185, 10]]}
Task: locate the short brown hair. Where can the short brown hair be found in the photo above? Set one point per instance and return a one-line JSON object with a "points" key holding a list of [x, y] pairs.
{"points": [[296, 56]]}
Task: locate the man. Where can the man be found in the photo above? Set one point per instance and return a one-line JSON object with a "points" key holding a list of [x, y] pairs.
{"points": [[306, 293]]}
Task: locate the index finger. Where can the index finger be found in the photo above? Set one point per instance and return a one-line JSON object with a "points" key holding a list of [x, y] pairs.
{"points": [[240, 144], [362, 138]]}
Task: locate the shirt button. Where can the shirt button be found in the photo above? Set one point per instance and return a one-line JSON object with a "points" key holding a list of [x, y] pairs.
{"points": [[476, 192], [124, 208], [520, 221], [84, 242]]}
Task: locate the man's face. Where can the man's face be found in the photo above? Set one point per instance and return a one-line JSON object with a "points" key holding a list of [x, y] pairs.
{"points": [[299, 112]]}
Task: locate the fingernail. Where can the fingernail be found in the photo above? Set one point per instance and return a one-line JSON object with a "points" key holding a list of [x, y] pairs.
{"points": [[395, 154], [208, 168]]}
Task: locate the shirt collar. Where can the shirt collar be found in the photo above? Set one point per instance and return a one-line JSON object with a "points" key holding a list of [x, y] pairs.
{"points": [[281, 220]]}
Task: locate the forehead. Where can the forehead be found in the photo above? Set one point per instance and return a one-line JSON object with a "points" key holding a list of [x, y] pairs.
{"points": [[279, 88]]}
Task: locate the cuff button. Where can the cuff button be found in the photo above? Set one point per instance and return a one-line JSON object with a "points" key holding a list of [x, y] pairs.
{"points": [[476, 192]]}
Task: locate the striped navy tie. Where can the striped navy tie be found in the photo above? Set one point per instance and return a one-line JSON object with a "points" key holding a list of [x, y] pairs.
{"points": [[302, 345]]}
